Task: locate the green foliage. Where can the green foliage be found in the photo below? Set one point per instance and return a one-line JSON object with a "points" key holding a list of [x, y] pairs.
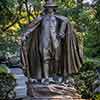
{"points": [[97, 97], [14, 14], [88, 65], [7, 10], [85, 78], [7, 85], [3, 69]]}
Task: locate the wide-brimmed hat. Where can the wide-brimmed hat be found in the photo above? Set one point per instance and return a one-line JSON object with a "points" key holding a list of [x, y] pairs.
{"points": [[49, 3]]}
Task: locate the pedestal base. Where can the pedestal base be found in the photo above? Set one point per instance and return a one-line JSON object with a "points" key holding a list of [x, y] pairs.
{"points": [[52, 92]]}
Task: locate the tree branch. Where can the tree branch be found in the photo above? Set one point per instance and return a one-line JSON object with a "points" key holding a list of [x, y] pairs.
{"points": [[16, 20], [28, 14]]}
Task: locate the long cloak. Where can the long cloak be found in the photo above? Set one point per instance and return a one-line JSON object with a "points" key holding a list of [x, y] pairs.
{"points": [[71, 54]]}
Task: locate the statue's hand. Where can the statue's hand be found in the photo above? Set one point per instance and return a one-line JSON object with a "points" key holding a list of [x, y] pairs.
{"points": [[60, 35], [25, 36]]}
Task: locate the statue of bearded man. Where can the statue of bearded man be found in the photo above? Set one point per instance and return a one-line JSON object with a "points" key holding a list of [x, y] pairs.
{"points": [[50, 46]]}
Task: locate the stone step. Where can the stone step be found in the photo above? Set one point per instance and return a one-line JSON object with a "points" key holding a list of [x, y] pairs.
{"points": [[52, 98]]}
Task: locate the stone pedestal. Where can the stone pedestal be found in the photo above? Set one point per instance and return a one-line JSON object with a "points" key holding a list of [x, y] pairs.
{"points": [[52, 92]]}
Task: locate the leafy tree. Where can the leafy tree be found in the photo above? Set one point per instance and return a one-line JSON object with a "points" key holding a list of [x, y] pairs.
{"points": [[14, 15]]}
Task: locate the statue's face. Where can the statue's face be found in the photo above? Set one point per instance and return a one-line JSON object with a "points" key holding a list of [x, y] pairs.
{"points": [[50, 10]]}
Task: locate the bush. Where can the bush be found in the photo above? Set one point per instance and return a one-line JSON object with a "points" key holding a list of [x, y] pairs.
{"points": [[89, 64], [7, 85], [3, 68], [85, 78], [97, 96]]}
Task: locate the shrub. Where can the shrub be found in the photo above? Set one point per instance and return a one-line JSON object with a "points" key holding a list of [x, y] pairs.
{"points": [[7, 85], [97, 96], [85, 78], [3, 68]]}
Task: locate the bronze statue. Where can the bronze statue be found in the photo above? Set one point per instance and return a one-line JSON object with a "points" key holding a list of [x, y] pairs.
{"points": [[50, 46]]}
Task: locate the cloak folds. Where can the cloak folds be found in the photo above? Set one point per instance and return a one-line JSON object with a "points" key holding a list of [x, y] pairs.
{"points": [[70, 60]]}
